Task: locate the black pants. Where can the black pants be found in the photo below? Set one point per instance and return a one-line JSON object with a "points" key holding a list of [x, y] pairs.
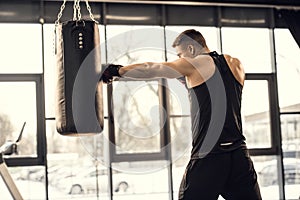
{"points": [[229, 174]]}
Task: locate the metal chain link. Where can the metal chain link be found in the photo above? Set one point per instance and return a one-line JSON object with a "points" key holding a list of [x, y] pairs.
{"points": [[60, 12], [90, 11], [76, 9], [76, 16]]}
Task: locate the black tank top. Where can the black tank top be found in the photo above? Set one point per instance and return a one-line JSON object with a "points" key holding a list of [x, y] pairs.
{"points": [[216, 112]]}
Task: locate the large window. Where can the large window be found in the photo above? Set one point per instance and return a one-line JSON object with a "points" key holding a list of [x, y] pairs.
{"points": [[21, 48], [256, 114], [21, 56], [251, 46], [288, 68], [15, 111], [146, 142], [137, 108], [22, 104], [137, 117]]}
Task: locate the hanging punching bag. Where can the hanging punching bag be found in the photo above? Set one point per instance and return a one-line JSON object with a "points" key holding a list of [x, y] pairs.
{"points": [[79, 103]]}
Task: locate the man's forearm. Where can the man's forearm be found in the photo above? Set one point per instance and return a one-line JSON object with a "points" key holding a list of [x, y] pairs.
{"points": [[138, 71], [148, 70]]}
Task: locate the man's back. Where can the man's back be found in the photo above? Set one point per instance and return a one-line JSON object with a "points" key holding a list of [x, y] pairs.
{"points": [[204, 68], [215, 111]]}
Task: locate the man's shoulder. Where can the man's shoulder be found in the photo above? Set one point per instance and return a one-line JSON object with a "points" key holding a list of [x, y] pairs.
{"points": [[232, 60], [236, 68]]}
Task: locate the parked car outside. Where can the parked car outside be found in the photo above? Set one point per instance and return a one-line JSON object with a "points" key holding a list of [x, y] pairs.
{"points": [[83, 182], [268, 175], [86, 181]]}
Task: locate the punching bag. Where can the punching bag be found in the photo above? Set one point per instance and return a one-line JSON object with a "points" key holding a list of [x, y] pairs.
{"points": [[78, 103]]}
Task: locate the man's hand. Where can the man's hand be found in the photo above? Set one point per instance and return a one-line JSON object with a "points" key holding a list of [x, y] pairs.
{"points": [[110, 72]]}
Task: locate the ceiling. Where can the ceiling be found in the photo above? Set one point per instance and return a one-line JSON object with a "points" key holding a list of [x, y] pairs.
{"points": [[252, 3]]}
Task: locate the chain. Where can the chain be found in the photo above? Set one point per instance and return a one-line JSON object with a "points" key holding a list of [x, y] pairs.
{"points": [[76, 9], [90, 11], [60, 12]]}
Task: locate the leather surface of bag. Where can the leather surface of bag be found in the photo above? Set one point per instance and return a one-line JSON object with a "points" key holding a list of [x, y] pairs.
{"points": [[79, 103]]}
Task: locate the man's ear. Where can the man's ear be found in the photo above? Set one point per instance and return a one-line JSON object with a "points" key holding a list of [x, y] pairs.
{"points": [[191, 49]]}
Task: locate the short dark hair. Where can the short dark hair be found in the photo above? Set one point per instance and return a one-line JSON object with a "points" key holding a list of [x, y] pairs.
{"points": [[190, 36]]}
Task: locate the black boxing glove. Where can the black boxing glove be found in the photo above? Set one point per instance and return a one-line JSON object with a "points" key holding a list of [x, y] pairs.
{"points": [[110, 72]]}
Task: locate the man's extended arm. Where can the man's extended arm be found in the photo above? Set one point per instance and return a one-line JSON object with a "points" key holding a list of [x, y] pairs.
{"points": [[148, 70]]}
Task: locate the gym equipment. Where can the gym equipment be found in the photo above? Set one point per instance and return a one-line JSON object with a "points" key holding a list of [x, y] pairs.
{"points": [[110, 72], [79, 103], [8, 148]]}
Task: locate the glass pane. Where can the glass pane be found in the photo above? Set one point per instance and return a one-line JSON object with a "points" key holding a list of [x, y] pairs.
{"points": [[210, 34], [179, 100], [132, 44], [251, 46], [140, 180], [181, 137], [292, 177], [18, 105], [178, 170], [102, 43], [290, 129], [267, 172], [79, 182], [84, 147], [288, 67], [137, 116], [75, 164], [256, 114], [50, 65], [22, 52], [30, 182]]}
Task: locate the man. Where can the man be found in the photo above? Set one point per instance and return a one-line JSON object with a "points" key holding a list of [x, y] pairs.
{"points": [[220, 163]]}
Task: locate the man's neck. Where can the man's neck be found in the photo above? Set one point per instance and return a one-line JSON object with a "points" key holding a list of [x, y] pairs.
{"points": [[204, 51]]}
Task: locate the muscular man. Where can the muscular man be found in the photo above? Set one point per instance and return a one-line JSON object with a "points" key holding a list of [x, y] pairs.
{"points": [[220, 162]]}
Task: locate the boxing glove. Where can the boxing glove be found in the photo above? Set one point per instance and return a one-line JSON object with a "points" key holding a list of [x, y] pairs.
{"points": [[110, 72]]}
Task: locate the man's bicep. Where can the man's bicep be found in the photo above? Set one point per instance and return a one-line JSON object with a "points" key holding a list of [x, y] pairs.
{"points": [[167, 70], [181, 66]]}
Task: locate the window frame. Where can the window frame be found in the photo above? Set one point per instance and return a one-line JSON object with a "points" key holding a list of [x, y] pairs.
{"points": [[274, 115], [163, 154], [40, 158]]}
